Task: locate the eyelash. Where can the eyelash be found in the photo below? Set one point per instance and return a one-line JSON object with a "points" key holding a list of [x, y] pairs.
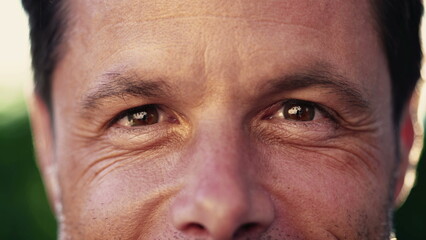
{"points": [[268, 114], [273, 109], [130, 111]]}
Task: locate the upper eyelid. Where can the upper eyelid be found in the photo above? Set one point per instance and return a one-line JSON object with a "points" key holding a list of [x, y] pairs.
{"points": [[322, 108], [330, 113], [133, 110], [325, 110]]}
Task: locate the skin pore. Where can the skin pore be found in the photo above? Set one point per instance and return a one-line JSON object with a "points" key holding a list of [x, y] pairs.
{"points": [[220, 120]]}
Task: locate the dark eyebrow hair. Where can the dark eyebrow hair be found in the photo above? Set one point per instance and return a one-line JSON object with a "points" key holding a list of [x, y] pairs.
{"points": [[115, 84], [325, 79], [122, 84]]}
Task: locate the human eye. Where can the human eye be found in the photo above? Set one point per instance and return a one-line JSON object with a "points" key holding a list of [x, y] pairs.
{"points": [[144, 126], [298, 120], [140, 116], [299, 110]]}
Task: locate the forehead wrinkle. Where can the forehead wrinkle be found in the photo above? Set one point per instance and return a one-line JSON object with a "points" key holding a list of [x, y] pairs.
{"points": [[112, 12], [170, 9], [123, 27]]}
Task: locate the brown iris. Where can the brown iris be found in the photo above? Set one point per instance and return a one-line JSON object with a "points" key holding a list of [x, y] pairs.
{"points": [[145, 115], [299, 111]]}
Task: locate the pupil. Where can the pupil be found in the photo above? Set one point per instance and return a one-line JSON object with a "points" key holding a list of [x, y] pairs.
{"points": [[145, 116], [299, 111]]}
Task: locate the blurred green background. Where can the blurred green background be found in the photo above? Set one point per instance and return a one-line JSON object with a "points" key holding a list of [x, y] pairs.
{"points": [[410, 218], [24, 211]]}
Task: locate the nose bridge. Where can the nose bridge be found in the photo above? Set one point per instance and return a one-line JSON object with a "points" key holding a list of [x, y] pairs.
{"points": [[220, 137], [220, 154], [219, 198]]}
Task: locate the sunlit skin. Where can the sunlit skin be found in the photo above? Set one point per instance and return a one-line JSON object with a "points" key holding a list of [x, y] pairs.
{"points": [[269, 120]]}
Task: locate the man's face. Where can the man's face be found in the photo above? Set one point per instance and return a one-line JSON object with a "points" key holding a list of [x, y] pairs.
{"points": [[222, 120]]}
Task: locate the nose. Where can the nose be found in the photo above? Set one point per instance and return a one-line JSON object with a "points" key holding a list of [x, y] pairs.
{"points": [[221, 200]]}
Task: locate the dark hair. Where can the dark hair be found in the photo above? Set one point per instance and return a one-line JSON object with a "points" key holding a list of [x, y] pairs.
{"points": [[47, 21], [398, 25]]}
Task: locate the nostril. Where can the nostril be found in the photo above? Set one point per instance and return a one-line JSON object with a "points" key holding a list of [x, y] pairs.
{"points": [[195, 229], [248, 229]]}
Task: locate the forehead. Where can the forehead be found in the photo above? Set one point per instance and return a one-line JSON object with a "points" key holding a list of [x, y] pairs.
{"points": [[310, 13], [115, 23], [208, 40]]}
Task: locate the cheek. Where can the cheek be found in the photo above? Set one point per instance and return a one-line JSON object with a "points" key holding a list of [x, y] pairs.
{"points": [[115, 193], [125, 204], [328, 188]]}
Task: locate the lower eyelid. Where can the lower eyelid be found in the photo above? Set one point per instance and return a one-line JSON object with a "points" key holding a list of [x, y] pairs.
{"points": [[275, 132], [128, 138], [139, 130], [149, 138]]}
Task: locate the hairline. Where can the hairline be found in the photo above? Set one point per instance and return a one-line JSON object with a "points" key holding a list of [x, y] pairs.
{"points": [[65, 25]]}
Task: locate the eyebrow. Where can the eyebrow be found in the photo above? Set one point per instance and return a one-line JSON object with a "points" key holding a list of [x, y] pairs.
{"points": [[122, 84], [115, 84], [323, 78]]}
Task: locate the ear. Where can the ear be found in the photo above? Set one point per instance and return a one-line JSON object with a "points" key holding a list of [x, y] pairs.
{"points": [[406, 139], [43, 139]]}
